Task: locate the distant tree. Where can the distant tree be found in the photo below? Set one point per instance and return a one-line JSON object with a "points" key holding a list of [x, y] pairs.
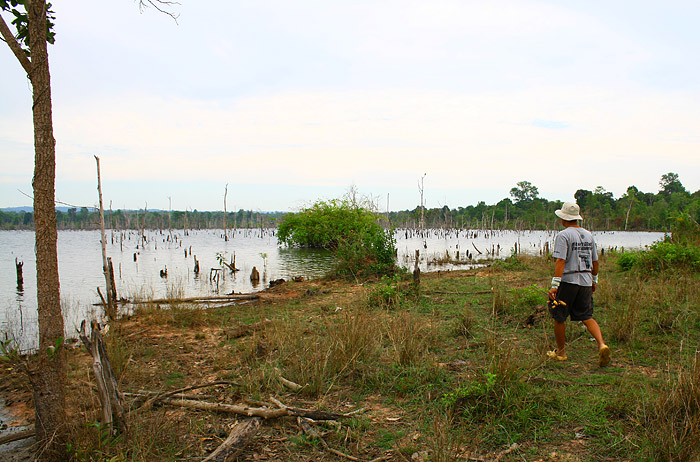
{"points": [[632, 191], [671, 184], [601, 191], [27, 218], [582, 196], [630, 197], [504, 210], [524, 191]]}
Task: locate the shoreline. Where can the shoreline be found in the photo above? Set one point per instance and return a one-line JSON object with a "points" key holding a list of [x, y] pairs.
{"points": [[15, 451]]}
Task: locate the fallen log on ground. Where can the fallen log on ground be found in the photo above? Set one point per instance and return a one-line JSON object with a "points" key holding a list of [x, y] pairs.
{"points": [[151, 397], [170, 301], [237, 440], [263, 413], [24, 434], [143, 397], [211, 306]]}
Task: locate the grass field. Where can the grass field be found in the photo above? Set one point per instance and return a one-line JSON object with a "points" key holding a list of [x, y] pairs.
{"points": [[454, 369]]}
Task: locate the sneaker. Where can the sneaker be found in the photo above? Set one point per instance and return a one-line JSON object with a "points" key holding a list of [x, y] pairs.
{"points": [[553, 355], [604, 356]]}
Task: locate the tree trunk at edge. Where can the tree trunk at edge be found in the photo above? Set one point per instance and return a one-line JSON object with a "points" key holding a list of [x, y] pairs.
{"points": [[48, 375]]}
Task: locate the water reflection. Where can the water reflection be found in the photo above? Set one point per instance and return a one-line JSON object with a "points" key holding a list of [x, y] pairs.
{"points": [[307, 263]]}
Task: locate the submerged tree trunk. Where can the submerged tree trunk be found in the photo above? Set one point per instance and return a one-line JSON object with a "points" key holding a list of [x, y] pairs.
{"points": [[48, 374], [20, 276], [111, 310], [225, 228]]}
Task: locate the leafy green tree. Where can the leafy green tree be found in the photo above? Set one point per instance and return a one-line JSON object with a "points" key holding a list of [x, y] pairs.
{"points": [[524, 191], [352, 232], [582, 197], [670, 184]]}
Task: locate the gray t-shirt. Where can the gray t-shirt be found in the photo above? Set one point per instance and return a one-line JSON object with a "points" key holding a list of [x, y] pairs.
{"points": [[577, 247]]}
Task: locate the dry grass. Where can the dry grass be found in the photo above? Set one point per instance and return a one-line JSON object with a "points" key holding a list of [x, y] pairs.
{"points": [[431, 372]]}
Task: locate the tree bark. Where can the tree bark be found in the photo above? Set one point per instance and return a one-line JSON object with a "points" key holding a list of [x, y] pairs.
{"points": [[48, 376]]}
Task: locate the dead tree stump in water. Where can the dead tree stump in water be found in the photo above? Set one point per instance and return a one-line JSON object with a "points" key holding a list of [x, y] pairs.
{"points": [[20, 277], [255, 276], [113, 287], [416, 271]]}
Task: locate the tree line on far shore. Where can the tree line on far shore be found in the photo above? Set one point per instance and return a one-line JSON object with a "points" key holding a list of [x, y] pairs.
{"points": [[524, 209], [88, 218]]}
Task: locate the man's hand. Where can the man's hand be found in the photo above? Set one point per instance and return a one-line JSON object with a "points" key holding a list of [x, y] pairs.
{"points": [[594, 284], [553, 293]]}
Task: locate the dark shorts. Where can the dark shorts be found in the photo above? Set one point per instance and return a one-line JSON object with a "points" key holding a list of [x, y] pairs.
{"points": [[579, 303]]}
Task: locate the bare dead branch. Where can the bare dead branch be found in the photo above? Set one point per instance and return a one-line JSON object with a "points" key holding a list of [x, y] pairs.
{"points": [[252, 411], [159, 5], [161, 396]]}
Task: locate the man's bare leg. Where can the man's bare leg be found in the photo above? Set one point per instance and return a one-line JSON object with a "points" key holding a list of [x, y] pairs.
{"points": [[603, 350], [560, 337]]}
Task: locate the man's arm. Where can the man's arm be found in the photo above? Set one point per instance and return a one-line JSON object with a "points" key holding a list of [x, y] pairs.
{"points": [[558, 272], [594, 272]]}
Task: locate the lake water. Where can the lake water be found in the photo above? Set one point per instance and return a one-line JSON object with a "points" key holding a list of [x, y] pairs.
{"points": [[137, 264]]}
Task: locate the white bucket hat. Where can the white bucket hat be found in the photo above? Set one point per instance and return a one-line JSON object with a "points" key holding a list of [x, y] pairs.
{"points": [[570, 211]]}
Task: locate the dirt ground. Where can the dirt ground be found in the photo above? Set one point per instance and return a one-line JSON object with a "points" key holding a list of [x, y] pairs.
{"points": [[181, 352]]}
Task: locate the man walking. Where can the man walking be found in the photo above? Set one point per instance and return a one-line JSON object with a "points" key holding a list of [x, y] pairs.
{"points": [[574, 282]]}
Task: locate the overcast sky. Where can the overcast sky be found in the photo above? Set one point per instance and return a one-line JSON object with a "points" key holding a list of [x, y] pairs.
{"points": [[288, 102]]}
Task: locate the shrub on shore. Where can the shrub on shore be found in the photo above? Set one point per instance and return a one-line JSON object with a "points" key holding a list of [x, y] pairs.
{"points": [[679, 250], [349, 230]]}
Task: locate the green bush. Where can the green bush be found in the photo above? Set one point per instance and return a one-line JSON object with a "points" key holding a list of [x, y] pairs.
{"points": [[529, 297], [627, 260], [511, 263], [662, 256], [387, 294], [685, 231], [352, 232], [679, 250]]}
